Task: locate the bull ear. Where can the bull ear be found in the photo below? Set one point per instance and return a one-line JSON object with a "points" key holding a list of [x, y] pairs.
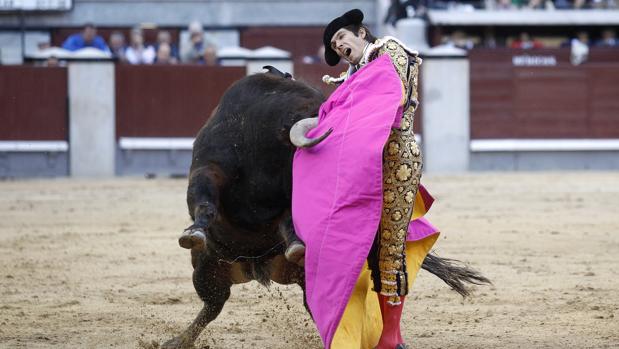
{"points": [[274, 71]]}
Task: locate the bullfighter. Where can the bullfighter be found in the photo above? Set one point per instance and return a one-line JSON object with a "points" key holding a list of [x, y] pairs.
{"points": [[392, 241]]}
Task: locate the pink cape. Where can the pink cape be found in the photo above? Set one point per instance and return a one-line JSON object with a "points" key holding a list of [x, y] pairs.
{"points": [[337, 189]]}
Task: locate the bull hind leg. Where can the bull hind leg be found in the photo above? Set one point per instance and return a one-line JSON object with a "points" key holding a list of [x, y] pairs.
{"points": [[301, 284], [285, 272], [212, 282]]}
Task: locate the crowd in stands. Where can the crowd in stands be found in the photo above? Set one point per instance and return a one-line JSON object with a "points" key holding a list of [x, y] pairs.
{"points": [[137, 51], [196, 49], [608, 39], [400, 9], [550, 4], [418, 8], [525, 41]]}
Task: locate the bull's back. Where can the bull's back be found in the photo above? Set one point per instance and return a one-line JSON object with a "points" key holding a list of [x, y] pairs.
{"points": [[247, 138]]}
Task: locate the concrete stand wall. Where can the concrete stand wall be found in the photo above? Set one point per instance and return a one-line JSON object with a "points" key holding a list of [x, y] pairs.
{"points": [[545, 161], [445, 101], [33, 164], [156, 162], [180, 12], [92, 136]]}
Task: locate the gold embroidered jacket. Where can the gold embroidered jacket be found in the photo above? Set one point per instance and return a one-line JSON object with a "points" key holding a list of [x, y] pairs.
{"points": [[405, 61]]}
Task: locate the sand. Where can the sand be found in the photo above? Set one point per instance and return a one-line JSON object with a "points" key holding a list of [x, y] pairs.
{"points": [[96, 264]]}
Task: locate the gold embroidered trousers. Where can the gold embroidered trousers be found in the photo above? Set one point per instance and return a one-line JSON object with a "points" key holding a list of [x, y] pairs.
{"points": [[402, 164]]}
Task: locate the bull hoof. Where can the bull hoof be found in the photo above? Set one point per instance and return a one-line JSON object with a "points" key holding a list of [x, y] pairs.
{"points": [[295, 253], [177, 343], [193, 240]]}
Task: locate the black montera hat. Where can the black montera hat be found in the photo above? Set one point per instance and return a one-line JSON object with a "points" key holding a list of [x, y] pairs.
{"points": [[351, 17]]}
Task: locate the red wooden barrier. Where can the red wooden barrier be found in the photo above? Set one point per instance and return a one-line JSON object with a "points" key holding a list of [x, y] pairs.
{"points": [[299, 41], [33, 103], [539, 94], [313, 73], [168, 101]]}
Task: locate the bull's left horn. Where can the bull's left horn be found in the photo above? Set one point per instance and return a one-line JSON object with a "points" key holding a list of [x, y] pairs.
{"points": [[300, 128]]}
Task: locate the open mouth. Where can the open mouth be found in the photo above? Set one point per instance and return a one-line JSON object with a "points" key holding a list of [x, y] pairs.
{"points": [[347, 52]]}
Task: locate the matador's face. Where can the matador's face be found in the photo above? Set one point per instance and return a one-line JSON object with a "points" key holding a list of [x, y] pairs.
{"points": [[349, 46]]}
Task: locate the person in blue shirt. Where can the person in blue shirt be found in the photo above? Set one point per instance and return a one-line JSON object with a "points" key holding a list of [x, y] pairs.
{"points": [[87, 38]]}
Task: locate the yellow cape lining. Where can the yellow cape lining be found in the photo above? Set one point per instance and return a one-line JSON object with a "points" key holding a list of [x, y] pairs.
{"points": [[361, 324]]}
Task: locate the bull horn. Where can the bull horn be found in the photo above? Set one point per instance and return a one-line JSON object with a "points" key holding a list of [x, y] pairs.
{"points": [[300, 128]]}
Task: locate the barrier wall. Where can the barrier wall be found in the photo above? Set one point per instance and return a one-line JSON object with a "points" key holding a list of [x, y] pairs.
{"points": [[33, 103], [529, 110], [535, 110], [168, 101], [554, 101], [159, 109], [33, 121]]}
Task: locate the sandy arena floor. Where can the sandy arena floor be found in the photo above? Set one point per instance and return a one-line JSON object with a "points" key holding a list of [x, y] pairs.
{"points": [[95, 264]]}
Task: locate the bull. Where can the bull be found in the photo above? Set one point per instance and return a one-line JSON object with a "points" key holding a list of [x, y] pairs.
{"points": [[240, 191]]}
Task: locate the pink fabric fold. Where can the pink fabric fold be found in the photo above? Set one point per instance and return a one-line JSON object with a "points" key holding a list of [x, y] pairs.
{"points": [[420, 229], [337, 189]]}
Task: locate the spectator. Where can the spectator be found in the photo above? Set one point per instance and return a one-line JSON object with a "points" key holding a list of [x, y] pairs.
{"points": [[43, 45], [581, 38], [603, 4], [118, 46], [87, 38], [52, 61], [459, 39], [210, 56], [609, 39], [563, 4], [525, 42], [535, 4], [164, 37], [164, 54], [137, 52], [396, 11], [317, 58], [504, 5], [193, 51], [580, 4], [580, 48]]}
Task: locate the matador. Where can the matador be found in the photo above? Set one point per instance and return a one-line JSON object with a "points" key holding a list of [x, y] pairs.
{"points": [[346, 37]]}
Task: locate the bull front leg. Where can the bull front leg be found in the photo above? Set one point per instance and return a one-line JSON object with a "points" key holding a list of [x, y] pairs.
{"points": [[212, 282], [295, 248]]}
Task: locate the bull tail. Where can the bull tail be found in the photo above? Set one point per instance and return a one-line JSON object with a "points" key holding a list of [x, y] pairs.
{"points": [[454, 273]]}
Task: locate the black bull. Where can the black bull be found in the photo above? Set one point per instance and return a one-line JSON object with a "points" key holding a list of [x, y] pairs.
{"points": [[239, 195]]}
